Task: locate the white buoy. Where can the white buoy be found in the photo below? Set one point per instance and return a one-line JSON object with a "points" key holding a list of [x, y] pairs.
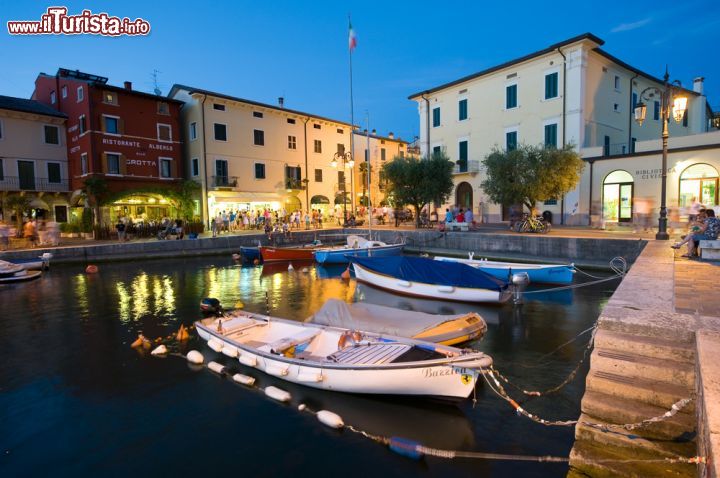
{"points": [[302, 407], [244, 379], [216, 367], [195, 357], [159, 350], [330, 419], [290, 267], [216, 345], [277, 394], [305, 270]]}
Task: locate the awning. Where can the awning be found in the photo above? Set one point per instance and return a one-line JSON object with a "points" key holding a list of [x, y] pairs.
{"points": [[319, 200], [37, 203], [233, 197]]}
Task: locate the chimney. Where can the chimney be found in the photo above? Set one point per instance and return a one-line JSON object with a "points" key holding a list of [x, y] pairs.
{"points": [[391, 135], [128, 85], [281, 102], [698, 84], [374, 131]]}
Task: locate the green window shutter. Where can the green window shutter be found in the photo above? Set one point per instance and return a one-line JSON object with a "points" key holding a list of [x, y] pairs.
{"points": [[551, 86], [511, 140], [511, 96], [462, 110], [551, 135]]}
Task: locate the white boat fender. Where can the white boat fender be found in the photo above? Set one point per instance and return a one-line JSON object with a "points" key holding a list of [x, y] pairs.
{"points": [[231, 352], [216, 345], [302, 407], [159, 350], [217, 367], [248, 360], [244, 379], [195, 357], [277, 394], [290, 267], [330, 419]]}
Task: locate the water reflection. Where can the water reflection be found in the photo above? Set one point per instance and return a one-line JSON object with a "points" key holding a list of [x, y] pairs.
{"points": [[69, 379]]}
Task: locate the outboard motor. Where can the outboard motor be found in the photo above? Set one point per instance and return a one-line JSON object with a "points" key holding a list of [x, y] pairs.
{"points": [[519, 280], [210, 306]]}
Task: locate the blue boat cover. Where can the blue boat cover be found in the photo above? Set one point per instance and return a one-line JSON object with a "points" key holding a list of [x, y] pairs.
{"points": [[428, 271]]}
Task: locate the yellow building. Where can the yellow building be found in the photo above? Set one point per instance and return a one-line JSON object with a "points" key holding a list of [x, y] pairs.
{"points": [[381, 150], [251, 155], [572, 92], [33, 158]]}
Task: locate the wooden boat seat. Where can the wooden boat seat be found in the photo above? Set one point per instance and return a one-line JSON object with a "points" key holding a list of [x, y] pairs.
{"points": [[236, 324], [371, 354], [285, 343]]}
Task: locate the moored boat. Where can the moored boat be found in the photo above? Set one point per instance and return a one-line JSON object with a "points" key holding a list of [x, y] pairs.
{"points": [[443, 329], [10, 273], [544, 273], [344, 360], [250, 253], [356, 247], [421, 277], [296, 253], [41, 262]]}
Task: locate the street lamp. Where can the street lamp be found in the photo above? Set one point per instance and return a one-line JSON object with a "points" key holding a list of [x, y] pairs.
{"points": [[672, 103], [347, 162]]}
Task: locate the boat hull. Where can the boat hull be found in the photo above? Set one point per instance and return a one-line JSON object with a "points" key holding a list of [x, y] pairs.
{"points": [[20, 277], [249, 254], [433, 291], [341, 256], [455, 380], [538, 273], [279, 254]]}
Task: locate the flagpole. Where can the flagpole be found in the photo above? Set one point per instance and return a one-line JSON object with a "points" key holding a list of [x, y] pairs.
{"points": [[352, 123]]}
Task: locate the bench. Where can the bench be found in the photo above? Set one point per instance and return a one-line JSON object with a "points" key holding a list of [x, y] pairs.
{"points": [[710, 250], [457, 226]]}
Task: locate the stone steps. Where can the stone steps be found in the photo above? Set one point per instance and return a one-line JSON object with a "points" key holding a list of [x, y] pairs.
{"points": [[655, 347], [661, 395], [631, 444], [587, 459], [607, 408], [633, 365]]}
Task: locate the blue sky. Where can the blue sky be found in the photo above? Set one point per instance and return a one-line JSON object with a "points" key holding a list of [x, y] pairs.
{"points": [[262, 50]]}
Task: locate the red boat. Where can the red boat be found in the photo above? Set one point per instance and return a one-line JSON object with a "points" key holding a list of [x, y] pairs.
{"points": [[298, 253]]}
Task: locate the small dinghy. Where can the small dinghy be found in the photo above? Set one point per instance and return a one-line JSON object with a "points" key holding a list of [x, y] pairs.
{"points": [[283, 254], [10, 273], [344, 360], [544, 273], [442, 329], [40, 263], [356, 247], [250, 254], [421, 277]]}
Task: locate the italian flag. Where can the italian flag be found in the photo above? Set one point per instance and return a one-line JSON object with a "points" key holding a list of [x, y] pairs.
{"points": [[352, 38]]}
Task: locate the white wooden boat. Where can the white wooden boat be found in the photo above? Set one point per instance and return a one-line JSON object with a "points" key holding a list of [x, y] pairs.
{"points": [[10, 273], [344, 360], [421, 277], [39, 263], [442, 329], [356, 247]]}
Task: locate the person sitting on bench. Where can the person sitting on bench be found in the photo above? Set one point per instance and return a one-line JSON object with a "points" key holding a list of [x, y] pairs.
{"points": [[708, 228]]}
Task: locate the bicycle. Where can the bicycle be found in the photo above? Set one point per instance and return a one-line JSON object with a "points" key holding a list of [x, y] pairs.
{"points": [[532, 224]]}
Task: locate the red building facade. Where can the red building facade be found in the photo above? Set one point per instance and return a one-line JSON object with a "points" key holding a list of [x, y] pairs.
{"points": [[130, 138]]}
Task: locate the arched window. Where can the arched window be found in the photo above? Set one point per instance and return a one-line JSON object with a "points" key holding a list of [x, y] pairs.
{"points": [[699, 181], [618, 196]]}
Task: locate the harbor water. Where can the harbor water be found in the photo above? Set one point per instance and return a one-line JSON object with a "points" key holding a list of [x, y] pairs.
{"points": [[77, 400]]}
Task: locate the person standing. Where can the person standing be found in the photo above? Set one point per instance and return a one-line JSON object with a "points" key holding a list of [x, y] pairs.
{"points": [[120, 228], [29, 233], [695, 207]]}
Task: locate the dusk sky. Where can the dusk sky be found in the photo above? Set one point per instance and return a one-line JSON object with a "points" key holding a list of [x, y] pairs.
{"points": [[298, 50]]}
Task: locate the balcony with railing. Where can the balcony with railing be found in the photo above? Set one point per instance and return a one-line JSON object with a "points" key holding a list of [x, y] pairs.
{"points": [[467, 167], [30, 183], [294, 184], [224, 182]]}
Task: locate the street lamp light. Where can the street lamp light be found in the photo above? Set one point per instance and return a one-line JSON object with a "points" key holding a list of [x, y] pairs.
{"points": [[672, 103], [347, 162]]}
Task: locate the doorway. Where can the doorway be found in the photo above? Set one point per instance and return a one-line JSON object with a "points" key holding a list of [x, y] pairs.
{"points": [[464, 196], [618, 197]]}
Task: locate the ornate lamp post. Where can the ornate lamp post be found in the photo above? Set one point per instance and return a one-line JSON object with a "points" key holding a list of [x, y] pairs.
{"points": [[672, 103], [347, 162]]}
